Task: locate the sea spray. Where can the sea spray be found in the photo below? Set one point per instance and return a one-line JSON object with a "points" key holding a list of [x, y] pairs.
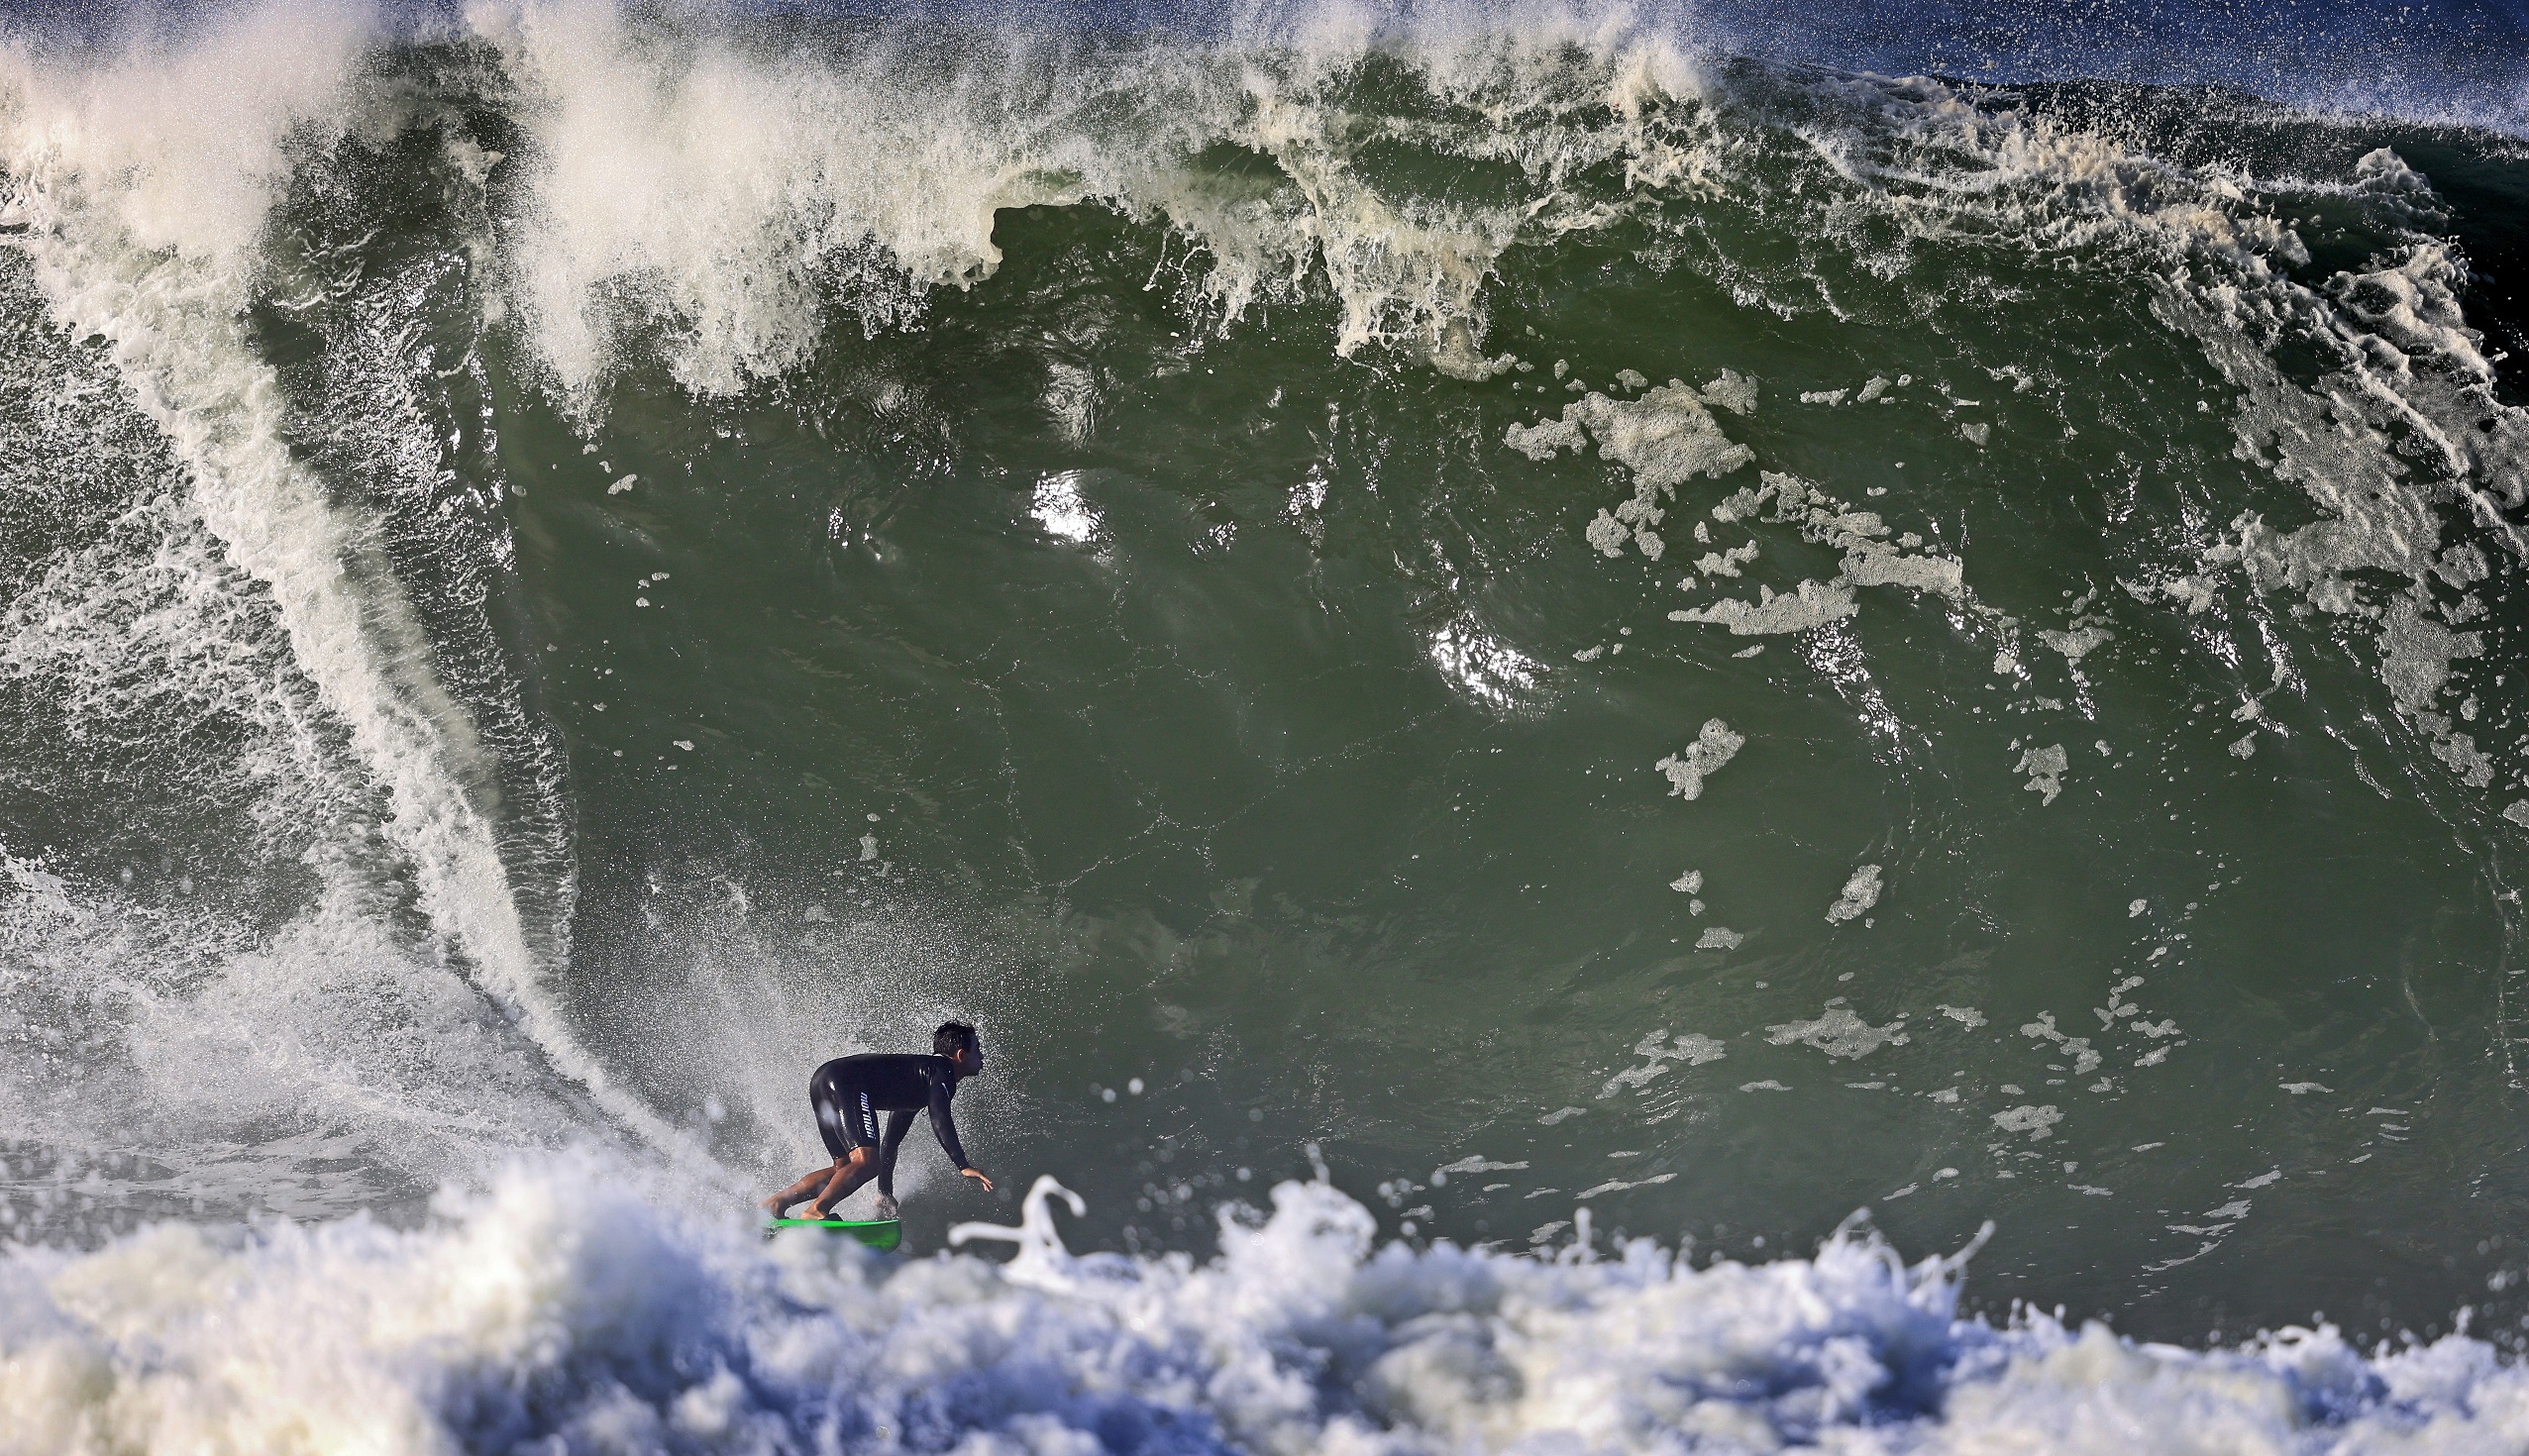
{"points": [[142, 213]]}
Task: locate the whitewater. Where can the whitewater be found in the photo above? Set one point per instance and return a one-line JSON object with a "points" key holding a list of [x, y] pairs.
{"points": [[513, 1322], [1641, 729]]}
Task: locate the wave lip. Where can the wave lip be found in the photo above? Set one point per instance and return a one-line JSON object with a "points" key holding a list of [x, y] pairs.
{"points": [[520, 1316]]}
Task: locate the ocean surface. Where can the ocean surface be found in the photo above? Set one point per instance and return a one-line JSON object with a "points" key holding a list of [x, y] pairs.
{"points": [[1639, 730]]}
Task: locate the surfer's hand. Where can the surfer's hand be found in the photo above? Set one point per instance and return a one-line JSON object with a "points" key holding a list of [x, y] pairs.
{"points": [[886, 1207], [976, 1173]]}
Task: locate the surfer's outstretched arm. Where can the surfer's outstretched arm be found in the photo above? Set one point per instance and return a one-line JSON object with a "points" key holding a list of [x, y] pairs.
{"points": [[945, 1127], [964, 1051]]}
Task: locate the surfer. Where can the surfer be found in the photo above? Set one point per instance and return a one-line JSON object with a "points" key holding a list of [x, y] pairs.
{"points": [[849, 1092]]}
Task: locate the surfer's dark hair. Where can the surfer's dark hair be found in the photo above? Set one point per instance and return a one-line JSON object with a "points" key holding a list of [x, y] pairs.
{"points": [[952, 1037]]}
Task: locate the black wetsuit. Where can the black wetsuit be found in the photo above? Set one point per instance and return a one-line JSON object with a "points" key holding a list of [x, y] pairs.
{"points": [[849, 1092]]}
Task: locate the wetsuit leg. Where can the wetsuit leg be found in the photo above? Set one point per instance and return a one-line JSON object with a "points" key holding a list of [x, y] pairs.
{"points": [[845, 1119]]}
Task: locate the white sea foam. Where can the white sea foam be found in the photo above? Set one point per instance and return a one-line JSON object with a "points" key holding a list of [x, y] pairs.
{"points": [[2036, 1121], [513, 1320], [1861, 892], [2046, 767], [1543, 440], [1812, 604], [1840, 1032], [1659, 1055], [1869, 560], [1714, 747]]}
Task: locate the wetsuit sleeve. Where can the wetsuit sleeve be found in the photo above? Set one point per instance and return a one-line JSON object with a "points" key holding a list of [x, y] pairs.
{"points": [[945, 1125], [899, 1123]]}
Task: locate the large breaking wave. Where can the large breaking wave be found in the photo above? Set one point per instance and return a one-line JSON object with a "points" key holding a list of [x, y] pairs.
{"points": [[299, 935]]}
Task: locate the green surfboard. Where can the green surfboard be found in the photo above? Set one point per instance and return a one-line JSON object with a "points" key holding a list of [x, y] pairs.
{"points": [[881, 1234]]}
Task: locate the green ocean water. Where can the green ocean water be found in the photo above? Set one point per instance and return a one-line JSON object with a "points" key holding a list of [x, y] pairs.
{"points": [[539, 603]]}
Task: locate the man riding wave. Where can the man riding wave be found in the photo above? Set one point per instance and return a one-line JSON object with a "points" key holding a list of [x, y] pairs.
{"points": [[849, 1092]]}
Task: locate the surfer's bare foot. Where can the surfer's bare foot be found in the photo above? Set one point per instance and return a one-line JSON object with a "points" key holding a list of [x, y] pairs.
{"points": [[776, 1207], [886, 1207]]}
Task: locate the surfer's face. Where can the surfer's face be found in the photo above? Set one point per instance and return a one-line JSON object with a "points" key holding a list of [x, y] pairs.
{"points": [[969, 1059]]}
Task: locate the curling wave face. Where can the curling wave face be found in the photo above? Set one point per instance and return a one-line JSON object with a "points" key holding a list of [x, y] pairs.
{"points": [[1569, 614]]}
